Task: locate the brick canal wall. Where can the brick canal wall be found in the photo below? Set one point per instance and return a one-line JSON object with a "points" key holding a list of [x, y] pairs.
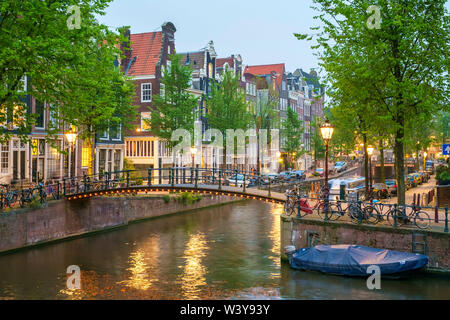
{"points": [[303, 233], [443, 196], [67, 219]]}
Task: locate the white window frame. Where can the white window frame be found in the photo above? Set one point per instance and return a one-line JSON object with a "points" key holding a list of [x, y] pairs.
{"points": [[120, 134], [105, 135], [142, 91]]}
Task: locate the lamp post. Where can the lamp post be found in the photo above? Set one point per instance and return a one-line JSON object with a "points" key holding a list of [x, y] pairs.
{"points": [[327, 132], [71, 137], [370, 152], [193, 152], [424, 159]]}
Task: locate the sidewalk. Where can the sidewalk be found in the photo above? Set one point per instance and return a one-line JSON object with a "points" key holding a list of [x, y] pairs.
{"points": [[420, 189]]}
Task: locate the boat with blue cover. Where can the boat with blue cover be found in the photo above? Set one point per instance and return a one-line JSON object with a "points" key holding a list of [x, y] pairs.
{"points": [[353, 260]]}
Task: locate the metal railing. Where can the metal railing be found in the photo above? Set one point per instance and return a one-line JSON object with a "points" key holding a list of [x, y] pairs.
{"points": [[360, 212]]}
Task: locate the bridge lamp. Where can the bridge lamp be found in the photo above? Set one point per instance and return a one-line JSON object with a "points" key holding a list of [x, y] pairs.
{"points": [[193, 153], [370, 152], [326, 129], [71, 137]]}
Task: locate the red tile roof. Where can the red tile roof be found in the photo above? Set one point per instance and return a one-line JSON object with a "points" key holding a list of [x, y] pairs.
{"points": [[267, 69], [147, 48], [221, 61]]}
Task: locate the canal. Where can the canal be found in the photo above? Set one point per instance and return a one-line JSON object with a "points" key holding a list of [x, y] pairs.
{"points": [[224, 252]]}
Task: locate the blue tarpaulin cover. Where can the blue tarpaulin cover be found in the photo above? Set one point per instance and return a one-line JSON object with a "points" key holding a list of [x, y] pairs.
{"points": [[353, 260]]}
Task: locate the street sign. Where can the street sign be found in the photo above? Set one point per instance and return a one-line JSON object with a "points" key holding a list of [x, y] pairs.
{"points": [[446, 149]]}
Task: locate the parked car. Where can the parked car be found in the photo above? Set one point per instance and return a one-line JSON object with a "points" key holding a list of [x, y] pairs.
{"points": [[274, 178], [411, 180], [299, 174], [429, 166], [287, 176], [417, 177], [319, 172], [391, 185], [238, 181], [380, 190], [340, 166]]}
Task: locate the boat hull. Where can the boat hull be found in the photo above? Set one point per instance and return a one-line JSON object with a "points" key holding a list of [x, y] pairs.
{"points": [[355, 260]]}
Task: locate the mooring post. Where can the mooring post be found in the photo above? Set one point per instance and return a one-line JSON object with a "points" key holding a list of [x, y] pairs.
{"points": [[196, 177], [243, 185], [220, 179], [149, 183], [446, 218], [270, 181], [395, 215], [298, 206], [436, 214], [64, 186]]}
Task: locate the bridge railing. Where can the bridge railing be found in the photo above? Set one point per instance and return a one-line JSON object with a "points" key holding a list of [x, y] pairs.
{"points": [[367, 212]]}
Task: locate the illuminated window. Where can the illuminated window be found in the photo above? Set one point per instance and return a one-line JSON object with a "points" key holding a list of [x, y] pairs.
{"points": [[145, 121], [210, 68], [85, 157]]}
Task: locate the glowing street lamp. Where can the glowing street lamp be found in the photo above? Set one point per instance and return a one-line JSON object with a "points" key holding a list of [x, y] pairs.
{"points": [[193, 153], [326, 129], [71, 137]]}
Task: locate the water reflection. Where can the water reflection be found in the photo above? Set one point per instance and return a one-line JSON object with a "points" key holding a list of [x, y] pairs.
{"points": [[224, 252], [193, 277]]}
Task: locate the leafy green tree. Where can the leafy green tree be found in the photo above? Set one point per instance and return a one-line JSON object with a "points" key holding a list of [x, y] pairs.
{"points": [[68, 66], [266, 116], [292, 132], [176, 108], [400, 64], [227, 107]]}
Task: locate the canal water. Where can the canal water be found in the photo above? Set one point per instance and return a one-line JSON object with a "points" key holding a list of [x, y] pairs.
{"points": [[226, 252]]}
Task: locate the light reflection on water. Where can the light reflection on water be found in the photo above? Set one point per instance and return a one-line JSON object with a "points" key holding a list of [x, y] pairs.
{"points": [[227, 252]]}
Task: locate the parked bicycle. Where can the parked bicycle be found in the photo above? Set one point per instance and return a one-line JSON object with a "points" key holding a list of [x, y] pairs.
{"points": [[421, 219]]}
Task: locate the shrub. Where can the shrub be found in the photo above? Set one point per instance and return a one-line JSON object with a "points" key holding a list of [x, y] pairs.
{"points": [[186, 197], [134, 175], [166, 198], [36, 203]]}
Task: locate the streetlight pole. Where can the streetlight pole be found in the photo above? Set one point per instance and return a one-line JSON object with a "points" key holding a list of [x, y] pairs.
{"points": [[327, 132], [370, 152]]}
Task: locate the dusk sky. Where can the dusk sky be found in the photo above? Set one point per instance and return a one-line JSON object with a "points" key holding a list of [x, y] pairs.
{"points": [[261, 31]]}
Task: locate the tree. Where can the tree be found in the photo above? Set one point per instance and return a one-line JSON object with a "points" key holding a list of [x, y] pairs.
{"points": [[292, 132], [401, 63], [69, 67], [227, 108], [266, 116], [175, 109]]}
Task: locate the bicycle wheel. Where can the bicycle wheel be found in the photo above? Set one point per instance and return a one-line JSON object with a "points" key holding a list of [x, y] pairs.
{"points": [[371, 214], [334, 212], [288, 207], [422, 220]]}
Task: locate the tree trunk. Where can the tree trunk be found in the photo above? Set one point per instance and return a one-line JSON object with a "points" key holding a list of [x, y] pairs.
{"points": [[382, 169], [366, 163], [399, 161]]}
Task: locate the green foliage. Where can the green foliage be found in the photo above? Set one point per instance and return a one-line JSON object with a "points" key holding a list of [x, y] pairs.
{"points": [[36, 203], [389, 78], [166, 198], [135, 176], [292, 131], [72, 70], [443, 173], [188, 197], [227, 107], [175, 109]]}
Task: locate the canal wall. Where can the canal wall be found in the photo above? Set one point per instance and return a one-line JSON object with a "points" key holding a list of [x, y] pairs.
{"points": [[303, 233], [62, 220]]}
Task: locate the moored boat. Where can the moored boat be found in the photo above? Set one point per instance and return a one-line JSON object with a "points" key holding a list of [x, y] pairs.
{"points": [[353, 260]]}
